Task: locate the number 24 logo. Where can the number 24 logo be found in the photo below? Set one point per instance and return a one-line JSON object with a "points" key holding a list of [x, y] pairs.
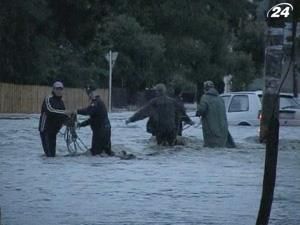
{"points": [[279, 10]]}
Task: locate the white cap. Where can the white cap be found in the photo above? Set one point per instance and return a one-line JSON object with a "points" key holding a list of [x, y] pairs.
{"points": [[58, 84]]}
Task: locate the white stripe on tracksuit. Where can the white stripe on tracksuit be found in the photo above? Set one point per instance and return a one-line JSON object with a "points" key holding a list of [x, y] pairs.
{"points": [[50, 108], [43, 122]]}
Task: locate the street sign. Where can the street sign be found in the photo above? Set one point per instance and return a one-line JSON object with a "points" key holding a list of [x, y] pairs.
{"points": [[114, 56]]}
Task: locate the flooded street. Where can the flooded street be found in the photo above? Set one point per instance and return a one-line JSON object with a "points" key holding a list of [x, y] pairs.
{"points": [[181, 185]]}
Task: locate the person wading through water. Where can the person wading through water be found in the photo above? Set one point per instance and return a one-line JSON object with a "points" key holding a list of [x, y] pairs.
{"points": [[99, 122], [53, 116], [214, 121], [163, 112]]}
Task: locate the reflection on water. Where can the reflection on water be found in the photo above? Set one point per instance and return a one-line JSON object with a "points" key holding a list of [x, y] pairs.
{"points": [[181, 185]]}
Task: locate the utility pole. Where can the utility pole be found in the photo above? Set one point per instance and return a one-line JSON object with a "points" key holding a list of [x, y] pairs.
{"points": [[270, 121], [110, 82], [111, 58], [269, 127], [293, 55]]}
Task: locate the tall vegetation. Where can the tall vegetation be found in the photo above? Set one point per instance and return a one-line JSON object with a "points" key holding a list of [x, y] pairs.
{"points": [[157, 41]]}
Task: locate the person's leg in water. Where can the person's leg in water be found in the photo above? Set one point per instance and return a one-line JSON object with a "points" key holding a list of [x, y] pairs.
{"points": [[45, 142], [162, 138], [171, 138], [48, 143], [106, 142], [159, 138], [96, 147], [150, 126], [179, 128], [101, 142], [52, 144]]}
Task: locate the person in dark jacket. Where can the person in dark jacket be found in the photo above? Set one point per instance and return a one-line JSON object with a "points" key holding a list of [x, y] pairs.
{"points": [[214, 121], [184, 117], [99, 122], [53, 116], [150, 126], [163, 110]]}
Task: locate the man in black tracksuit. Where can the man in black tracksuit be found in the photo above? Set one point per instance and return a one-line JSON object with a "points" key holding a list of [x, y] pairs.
{"points": [[99, 123], [53, 116]]}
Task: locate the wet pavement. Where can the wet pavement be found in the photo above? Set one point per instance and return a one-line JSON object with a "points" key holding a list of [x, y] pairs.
{"points": [[181, 185]]}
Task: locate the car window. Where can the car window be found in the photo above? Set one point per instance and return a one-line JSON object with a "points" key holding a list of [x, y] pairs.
{"points": [[287, 102], [226, 100], [239, 103]]}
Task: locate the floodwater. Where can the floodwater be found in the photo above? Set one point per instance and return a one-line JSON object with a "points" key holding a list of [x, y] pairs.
{"points": [[181, 185]]}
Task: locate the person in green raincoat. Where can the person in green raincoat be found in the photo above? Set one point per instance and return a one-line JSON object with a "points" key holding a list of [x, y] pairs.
{"points": [[214, 121]]}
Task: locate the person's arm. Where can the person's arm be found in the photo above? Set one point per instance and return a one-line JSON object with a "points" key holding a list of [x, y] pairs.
{"points": [[84, 123], [88, 111], [52, 109], [185, 118], [141, 114], [182, 113], [202, 107]]}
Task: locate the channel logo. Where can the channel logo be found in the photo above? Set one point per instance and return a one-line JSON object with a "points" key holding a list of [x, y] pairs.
{"points": [[281, 10]]}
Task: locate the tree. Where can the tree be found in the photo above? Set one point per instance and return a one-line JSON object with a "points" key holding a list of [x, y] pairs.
{"points": [[21, 22], [140, 53], [241, 66], [251, 41], [44, 40]]}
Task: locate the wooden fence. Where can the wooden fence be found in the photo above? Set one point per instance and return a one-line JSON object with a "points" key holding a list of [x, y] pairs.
{"points": [[28, 98]]}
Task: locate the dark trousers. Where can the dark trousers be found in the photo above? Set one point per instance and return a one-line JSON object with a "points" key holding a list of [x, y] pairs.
{"points": [[101, 141], [49, 143], [179, 129], [167, 137], [151, 126]]}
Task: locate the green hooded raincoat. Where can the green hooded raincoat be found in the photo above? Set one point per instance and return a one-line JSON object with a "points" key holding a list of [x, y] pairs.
{"points": [[214, 121]]}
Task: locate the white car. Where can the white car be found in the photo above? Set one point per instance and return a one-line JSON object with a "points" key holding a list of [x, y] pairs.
{"points": [[244, 108]]}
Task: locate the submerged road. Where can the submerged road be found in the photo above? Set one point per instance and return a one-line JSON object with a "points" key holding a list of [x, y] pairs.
{"points": [[181, 185]]}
